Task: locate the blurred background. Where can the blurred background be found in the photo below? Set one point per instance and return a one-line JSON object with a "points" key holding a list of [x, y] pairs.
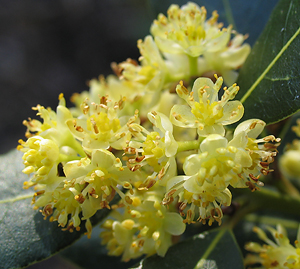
{"points": [[49, 47], [53, 46]]}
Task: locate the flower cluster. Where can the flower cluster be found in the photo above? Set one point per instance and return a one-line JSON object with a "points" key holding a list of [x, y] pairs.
{"points": [[145, 229], [277, 254], [131, 133]]}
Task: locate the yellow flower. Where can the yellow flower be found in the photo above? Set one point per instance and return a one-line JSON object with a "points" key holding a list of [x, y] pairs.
{"points": [[186, 30], [146, 229], [277, 254], [111, 87], [94, 181], [41, 157], [205, 111], [49, 145], [226, 60], [153, 151], [220, 163], [150, 75], [100, 127]]}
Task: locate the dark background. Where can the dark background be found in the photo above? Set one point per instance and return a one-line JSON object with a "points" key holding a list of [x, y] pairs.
{"points": [[53, 46]]}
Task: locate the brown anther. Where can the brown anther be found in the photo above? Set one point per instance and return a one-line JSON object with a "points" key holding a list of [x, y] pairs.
{"points": [[140, 158], [161, 173], [251, 186], [170, 193], [253, 177], [38, 193], [265, 171], [141, 243], [136, 167], [95, 127], [47, 210], [79, 129], [167, 201], [104, 204], [182, 206], [264, 164], [128, 200], [111, 195], [79, 198]]}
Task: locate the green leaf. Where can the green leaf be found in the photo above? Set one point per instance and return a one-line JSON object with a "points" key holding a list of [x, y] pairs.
{"points": [[269, 80], [25, 237], [214, 249]]}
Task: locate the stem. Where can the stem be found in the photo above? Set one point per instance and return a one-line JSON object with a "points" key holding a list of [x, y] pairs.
{"points": [[188, 145], [193, 61], [269, 199], [286, 187]]}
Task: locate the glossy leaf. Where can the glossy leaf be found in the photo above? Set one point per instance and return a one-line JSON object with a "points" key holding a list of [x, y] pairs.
{"points": [[216, 249], [269, 80], [25, 237]]}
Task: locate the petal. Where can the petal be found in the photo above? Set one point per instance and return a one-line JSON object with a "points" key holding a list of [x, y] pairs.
{"points": [[212, 142], [195, 51], [171, 144], [169, 46], [176, 181], [252, 127], [191, 185], [243, 158], [209, 87], [233, 111], [212, 129], [173, 223], [103, 159], [182, 116], [121, 234], [73, 169], [239, 141], [192, 164], [234, 58], [161, 121]]}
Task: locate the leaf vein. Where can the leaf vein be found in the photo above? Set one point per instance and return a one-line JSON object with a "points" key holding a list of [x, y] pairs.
{"points": [[262, 76], [210, 248]]}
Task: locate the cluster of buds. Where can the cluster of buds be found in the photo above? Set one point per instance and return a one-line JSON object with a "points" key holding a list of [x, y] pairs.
{"points": [[128, 135]]}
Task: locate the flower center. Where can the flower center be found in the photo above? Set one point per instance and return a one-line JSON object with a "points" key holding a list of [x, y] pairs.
{"points": [[102, 126], [207, 113]]}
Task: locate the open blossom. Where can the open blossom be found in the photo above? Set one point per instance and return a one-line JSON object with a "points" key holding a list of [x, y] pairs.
{"points": [[186, 30], [60, 205], [146, 229], [100, 127], [220, 163], [154, 152], [88, 185], [41, 158], [226, 60], [49, 144], [204, 111], [151, 74], [277, 254], [94, 181]]}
